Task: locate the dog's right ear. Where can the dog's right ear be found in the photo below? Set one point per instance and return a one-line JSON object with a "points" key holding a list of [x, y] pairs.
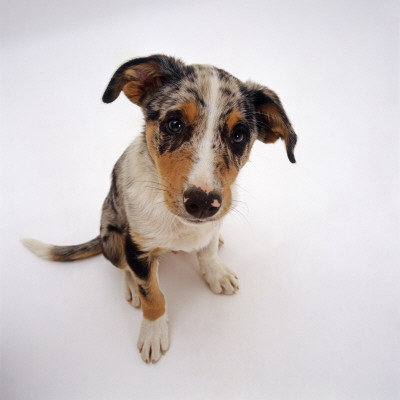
{"points": [[142, 77]]}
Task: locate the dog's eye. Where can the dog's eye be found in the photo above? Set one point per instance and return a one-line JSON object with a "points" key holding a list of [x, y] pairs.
{"points": [[238, 135], [174, 126]]}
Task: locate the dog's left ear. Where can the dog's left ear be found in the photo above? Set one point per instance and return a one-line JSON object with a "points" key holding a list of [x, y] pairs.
{"points": [[142, 77], [272, 121]]}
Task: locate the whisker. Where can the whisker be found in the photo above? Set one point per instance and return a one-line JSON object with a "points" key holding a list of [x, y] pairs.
{"points": [[159, 189], [238, 203], [154, 183], [236, 212], [241, 187], [163, 178]]}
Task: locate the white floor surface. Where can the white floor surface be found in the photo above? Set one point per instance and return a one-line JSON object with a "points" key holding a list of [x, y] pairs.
{"points": [[315, 244]]}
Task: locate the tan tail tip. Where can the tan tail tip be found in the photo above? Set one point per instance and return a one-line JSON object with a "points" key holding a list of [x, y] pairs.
{"points": [[41, 249]]}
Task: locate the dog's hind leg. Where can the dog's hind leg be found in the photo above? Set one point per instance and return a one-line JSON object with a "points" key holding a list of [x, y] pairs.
{"points": [[131, 291], [113, 244]]}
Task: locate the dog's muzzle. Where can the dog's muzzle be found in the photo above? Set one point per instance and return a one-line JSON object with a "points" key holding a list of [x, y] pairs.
{"points": [[200, 204]]}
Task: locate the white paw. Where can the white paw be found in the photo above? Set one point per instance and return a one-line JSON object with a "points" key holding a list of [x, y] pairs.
{"points": [[153, 339], [220, 278], [131, 294]]}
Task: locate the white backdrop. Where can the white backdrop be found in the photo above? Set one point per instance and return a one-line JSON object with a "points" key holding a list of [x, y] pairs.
{"points": [[315, 244]]}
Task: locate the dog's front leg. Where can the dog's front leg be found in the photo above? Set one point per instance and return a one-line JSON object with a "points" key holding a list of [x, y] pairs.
{"points": [[218, 276], [153, 338]]}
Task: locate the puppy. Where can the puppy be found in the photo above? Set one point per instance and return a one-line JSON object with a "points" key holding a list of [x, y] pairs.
{"points": [[173, 185]]}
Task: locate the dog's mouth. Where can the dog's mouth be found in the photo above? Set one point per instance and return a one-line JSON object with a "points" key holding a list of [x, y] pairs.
{"points": [[196, 221]]}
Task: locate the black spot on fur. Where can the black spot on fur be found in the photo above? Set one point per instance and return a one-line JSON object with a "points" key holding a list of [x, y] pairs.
{"points": [[114, 188], [153, 115], [136, 259], [226, 91], [246, 108], [196, 95], [225, 157], [105, 238], [190, 73], [223, 75], [117, 229], [142, 291], [223, 115], [260, 98]]}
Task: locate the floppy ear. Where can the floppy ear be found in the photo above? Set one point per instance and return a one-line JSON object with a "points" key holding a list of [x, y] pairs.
{"points": [[142, 77], [272, 121]]}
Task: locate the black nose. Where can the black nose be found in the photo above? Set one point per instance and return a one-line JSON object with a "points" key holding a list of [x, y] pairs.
{"points": [[201, 205]]}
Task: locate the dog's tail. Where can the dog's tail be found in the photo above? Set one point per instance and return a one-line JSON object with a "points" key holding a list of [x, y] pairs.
{"points": [[64, 253]]}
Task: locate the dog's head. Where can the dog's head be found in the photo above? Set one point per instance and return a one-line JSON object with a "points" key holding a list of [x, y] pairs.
{"points": [[201, 123]]}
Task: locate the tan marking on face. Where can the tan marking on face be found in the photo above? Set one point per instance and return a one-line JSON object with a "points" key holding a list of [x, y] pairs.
{"points": [[150, 139], [233, 119], [227, 176], [174, 169], [190, 111]]}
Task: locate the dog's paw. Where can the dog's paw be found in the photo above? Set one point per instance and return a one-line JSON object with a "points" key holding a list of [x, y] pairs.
{"points": [[132, 297], [220, 278], [153, 339]]}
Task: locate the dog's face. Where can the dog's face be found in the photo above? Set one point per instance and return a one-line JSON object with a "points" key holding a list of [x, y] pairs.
{"points": [[201, 123]]}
